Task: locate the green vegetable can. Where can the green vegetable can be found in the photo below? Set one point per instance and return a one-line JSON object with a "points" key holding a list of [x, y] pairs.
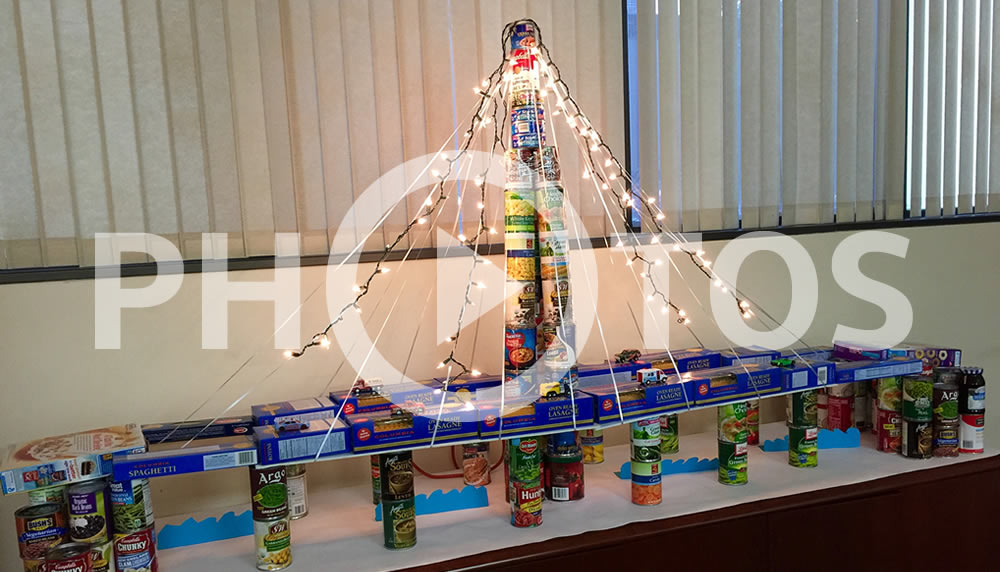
{"points": [[918, 393], [131, 506], [646, 440], [802, 447], [733, 423], [669, 437], [399, 523], [732, 463], [802, 408], [268, 493]]}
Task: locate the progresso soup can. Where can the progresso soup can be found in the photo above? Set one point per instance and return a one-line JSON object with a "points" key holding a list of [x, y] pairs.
{"points": [[732, 423], [89, 511], [268, 493], [69, 557], [647, 486], [137, 551], [802, 445], [733, 463], [274, 543], [399, 523], [39, 527], [889, 393], [550, 202], [918, 439], [918, 394]]}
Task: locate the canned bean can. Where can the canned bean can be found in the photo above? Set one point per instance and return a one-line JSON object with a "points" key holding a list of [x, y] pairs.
{"points": [[69, 557], [550, 164], [889, 393], [519, 216], [918, 395], [564, 477], [39, 528], [732, 422], [521, 306], [801, 408], [945, 403], [840, 412], [646, 450], [888, 431], [47, 495], [646, 429], [89, 512], [753, 422], [298, 498], [733, 463], [550, 202], [131, 505], [946, 439], [526, 503], [476, 464], [822, 409], [376, 481], [918, 439], [520, 346], [670, 439], [840, 390], [647, 484], [274, 543], [592, 444], [396, 471], [399, 523], [972, 431], [269, 493], [524, 459], [102, 557], [802, 447], [137, 551]]}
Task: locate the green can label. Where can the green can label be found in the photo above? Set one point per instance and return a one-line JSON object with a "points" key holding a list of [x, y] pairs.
{"points": [[802, 448], [268, 493], [669, 437], [524, 459], [646, 429], [802, 408], [918, 393], [733, 422], [889, 393], [732, 463], [646, 452], [399, 523]]}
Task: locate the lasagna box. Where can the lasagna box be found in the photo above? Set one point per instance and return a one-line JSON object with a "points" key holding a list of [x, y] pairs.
{"points": [[529, 415], [200, 429], [732, 383], [378, 397], [614, 400], [747, 356], [173, 458], [465, 383], [404, 428], [66, 459], [300, 411], [279, 444], [822, 353], [686, 360], [585, 371]]}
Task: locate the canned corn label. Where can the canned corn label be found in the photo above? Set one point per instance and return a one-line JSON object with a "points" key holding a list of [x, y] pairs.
{"points": [[669, 436], [732, 463], [274, 544], [519, 216], [399, 523], [802, 447], [732, 422], [918, 393]]}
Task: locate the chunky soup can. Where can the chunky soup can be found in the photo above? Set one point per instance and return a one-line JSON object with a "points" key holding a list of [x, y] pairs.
{"points": [[39, 528], [647, 485], [269, 493], [802, 445], [136, 551], [274, 543], [399, 523], [888, 428]]}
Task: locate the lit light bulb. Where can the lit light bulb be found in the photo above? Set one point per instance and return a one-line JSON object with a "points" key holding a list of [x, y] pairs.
{"points": [[479, 181], [612, 177], [643, 274], [659, 216], [357, 309], [487, 120], [449, 339], [654, 240], [493, 230], [681, 313], [325, 342], [619, 244], [594, 147], [724, 289], [586, 174], [649, 298], [604, 186], [480, 285], [421, 220], [687, 321], [555, 113], [288, 354], [677, 248], [485, 83], [708, 262], [487, 261], [461, 237], [659, 262], [744, 304], [651, 200], [480, 205], [440, 365], [355, 288], [383, 270], [475, 373], [435, 173], [629, 263], [718, 283], [700, 253], [664, 310], [747, 315], [607, 162], [428, 202]]}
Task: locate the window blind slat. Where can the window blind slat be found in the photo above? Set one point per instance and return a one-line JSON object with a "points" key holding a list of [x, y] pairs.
{"points": [[944, 204], [983, 105], [867, 66], [671, 200], [751, 136], [918, 104], [690, 101], [562, 39], [650, 98], [730, 115], [828, 111], [411, 85], [892, 134], [967, 112], [587, 89], [993, 199], [710, 115], [465, 62], [935, 158], [771, 106], [613, 77], [848, 109]]}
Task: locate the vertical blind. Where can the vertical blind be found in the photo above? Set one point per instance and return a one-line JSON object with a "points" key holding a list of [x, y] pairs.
{"points": [[252, 117], [755, 112]]}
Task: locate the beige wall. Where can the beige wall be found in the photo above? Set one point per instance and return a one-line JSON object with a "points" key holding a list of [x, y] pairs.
{"points": [[54, 381]]}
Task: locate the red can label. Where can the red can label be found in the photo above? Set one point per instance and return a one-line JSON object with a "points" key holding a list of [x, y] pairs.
{"points": [[79, 563], [526, 504], [887, 431], [972, 427], [840, 412], [136, 551]]}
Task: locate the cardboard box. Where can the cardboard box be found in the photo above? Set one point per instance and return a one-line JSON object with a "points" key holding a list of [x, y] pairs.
{"points": [[807, 373], [529, 415], [848, 371], [859, 352], [465, 383], [589, 370], [752, 355], [202, 428], [687, 360], [932, 356], [400, 429], [301, 411], [382, 397], [275, 446], [631, 400], [174, 459], [66, 459], [735, 382], [822, 353]]}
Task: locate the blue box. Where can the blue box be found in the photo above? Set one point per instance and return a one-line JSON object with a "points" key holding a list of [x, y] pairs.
{"points": [[175, 459], [465, 383], [857, 352], [848, 371], [382, 397], [822, 353], [302, 411], [402, 429], [203, 428], [762, 356], [594, 369], [807, 373], [633, 400], [529, 415], [687, 360], [278, 447], [732, 383]]}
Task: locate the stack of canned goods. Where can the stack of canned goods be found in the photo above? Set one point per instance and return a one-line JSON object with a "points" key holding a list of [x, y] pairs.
{"points": [[523, 468], [133, 525], [840, 406], [670, 439], [563, 472], [972, 410], [917, 430], [887, 399], [271, 525], [647, 487], [803, 431], [733, 444], [592, 444], [399, 511]]}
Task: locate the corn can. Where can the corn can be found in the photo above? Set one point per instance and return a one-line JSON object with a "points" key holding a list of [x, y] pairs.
{"points": [[519, 210], [647, 486], [274, 543], [802, 445], [592, 444]]}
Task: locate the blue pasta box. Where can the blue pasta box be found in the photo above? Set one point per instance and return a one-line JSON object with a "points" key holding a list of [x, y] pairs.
{"points": [[735, 356], [932, 356], [528, 415], [299, 411], [406, 428], [585, 371], [175, 459], [686, 360], [374, 396], [465, 383], [729, 383], [279, 444], [616, 400], [198, 429], [848, 371], [859, 352], [822, 353], [806, 373]]}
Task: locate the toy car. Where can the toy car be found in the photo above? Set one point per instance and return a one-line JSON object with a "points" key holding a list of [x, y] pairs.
{"points": [[290, 425], [650, 376], [409, 406], [367, 389], [783, 362], [627, 356]]}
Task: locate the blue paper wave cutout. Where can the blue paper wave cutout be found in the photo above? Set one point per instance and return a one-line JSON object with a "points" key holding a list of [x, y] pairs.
{"points": [[440, 501], [827, 439], [672, 467], [211, 529]]}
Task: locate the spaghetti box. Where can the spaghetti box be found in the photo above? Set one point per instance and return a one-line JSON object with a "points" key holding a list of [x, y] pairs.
{"points": [[734, 382], [521, 415], [467, 383], [859, 352], [300, 411], [932, 356], [747, 356], [631, 399], [66, 459], [382, 397], [822, 353], [686, 360], [585, 371], [175, 459], [282, 444], [405, 429], [806, 373], [200, 429], [848, 371]]}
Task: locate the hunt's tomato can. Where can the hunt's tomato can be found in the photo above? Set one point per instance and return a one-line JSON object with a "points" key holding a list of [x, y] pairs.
{"points": [[887, 430], [526, 503], [840, 412]]}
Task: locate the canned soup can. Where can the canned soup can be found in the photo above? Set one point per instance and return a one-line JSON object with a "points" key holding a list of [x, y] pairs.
{"points": [[136, 551], [69, 557], [376, 481], [889, 393], [888, 431], [732, 422], [647, 486], [396, 470], [753, 421], [399, 523], [802, 407], [102, 557], [39, 528], [89, 512], [274, 543]]}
